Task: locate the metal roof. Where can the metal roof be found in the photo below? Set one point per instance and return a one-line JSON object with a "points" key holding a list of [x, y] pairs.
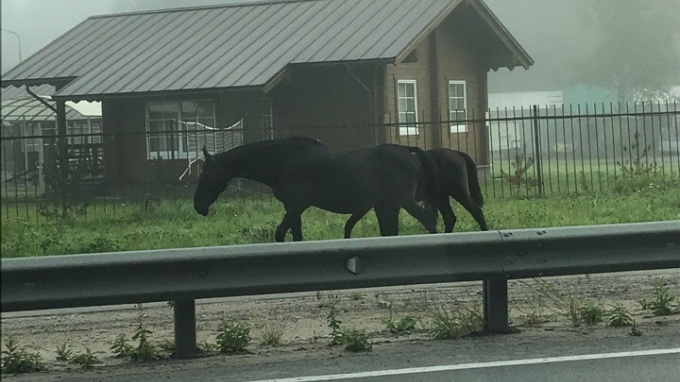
{"points": [[13, 92], [30, 110], [230, 46]]}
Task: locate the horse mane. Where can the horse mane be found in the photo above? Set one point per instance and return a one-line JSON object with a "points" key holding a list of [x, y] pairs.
{"points": [[274, 144]]}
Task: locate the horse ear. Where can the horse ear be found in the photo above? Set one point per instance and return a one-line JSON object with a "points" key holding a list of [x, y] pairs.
{"points": [[207, 156]]}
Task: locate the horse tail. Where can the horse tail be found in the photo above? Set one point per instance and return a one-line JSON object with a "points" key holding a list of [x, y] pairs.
{"points": [[473, 180], [431, 180]]}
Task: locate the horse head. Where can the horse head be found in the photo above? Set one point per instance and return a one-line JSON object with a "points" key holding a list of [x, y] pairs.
{"points": [[211, 182]]}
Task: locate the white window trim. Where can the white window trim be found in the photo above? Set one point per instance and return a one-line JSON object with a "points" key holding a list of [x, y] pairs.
{"points": [[406, 130], [178, 153], [458, 128]]}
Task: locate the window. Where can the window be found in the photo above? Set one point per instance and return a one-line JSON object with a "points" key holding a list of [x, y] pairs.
{"points": [[168, 123], [407, 107], [458, 106], [267, 119], [82, 132]]}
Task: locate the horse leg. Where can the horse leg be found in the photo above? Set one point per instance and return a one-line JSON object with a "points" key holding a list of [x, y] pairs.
{"points": [[447, 214], [425, 218], [463, 197], [291, 220], [476, 212], [296, 228], [388, 220], [352, 221]]}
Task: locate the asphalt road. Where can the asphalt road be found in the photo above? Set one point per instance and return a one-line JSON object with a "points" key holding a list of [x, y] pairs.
{"points": [[654, 365], [655, 356]]}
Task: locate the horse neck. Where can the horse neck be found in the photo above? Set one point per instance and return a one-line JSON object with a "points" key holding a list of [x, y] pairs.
{"points": [[263, 163]]}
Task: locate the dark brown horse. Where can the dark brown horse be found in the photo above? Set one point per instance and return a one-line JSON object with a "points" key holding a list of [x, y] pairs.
{"points": [[303, 172], [457, 174]]}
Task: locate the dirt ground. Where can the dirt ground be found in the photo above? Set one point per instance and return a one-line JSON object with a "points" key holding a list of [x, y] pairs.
{"points": [[303, 316]]}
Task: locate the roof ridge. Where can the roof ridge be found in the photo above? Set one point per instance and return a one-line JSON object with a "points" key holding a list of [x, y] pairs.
{"points": [[200, 7]]}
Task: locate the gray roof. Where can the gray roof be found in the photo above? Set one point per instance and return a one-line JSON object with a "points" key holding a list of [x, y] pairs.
{"points": [[31, 110], [231, 46], [12, 92]]}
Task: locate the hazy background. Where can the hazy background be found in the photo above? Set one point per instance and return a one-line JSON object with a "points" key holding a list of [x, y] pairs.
{"points": [[619, 44]]}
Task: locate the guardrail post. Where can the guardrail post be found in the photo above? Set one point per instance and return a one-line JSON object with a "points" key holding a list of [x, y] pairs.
{"points": [[496, 304], [185, 328]]}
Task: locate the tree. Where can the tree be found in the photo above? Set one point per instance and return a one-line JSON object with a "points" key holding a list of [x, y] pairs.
{"points": [[639, 47]]}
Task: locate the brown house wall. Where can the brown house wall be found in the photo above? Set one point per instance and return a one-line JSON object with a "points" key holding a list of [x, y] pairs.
{"points": [[447, 54], [459, 59], [327, 103], [419, 71], [127, 169]]}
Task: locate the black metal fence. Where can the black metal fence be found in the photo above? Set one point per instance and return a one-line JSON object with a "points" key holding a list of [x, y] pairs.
{"points": [[520, 152]]}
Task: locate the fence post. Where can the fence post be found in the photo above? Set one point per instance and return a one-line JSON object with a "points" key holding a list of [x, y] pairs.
{"points": [[496, 304], [537, 150], [185, 327]]}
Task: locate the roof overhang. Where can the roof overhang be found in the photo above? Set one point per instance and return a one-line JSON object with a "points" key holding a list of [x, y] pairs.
{"points": [[286, 71], [521, 57], [517, 55], [57, 82], [154, 95], [426, 32]]}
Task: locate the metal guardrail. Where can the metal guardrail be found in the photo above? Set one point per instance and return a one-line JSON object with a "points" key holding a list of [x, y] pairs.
{"points": [[183, 275]]}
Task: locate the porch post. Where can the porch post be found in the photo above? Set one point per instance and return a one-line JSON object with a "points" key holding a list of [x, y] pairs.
{"points": [[62, 150]]}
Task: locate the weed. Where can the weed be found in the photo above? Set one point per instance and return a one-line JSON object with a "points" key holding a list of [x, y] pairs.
{"points": [[64, 352], [638, 163], [520, 173], [449, 324], [591, 313], [532, 312], [619, 317], [272, 333], [570, 305], [233, 337], [662, 304], [144, 351], [404, 325], [121, 347], [86, 360], [17, 360], [356, 341], [334, 323]]}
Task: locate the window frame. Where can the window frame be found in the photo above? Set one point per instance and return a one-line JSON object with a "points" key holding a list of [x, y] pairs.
{"points": [[181, 152], [408, 128], [267, 118], [457, 128]]}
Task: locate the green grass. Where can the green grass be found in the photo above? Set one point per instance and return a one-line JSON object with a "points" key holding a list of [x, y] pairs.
{"points": [[562, 178], [174, 224]]}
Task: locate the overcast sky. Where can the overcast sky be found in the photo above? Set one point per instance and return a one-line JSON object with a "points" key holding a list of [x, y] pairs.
{"points": [[549, 30]]}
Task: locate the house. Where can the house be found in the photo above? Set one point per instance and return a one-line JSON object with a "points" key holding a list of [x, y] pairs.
{"points": [[352, 73]]}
